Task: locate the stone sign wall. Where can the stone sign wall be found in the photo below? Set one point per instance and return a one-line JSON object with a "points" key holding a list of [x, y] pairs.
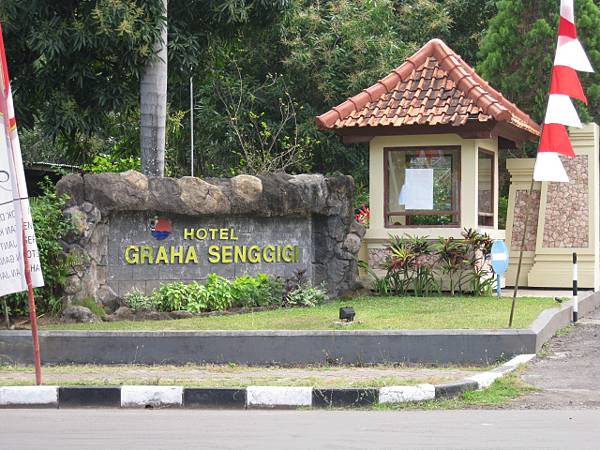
{"points": [[132, 231]]}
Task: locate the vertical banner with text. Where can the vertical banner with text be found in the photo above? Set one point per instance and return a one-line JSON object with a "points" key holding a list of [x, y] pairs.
{"points": [[14, 202]]}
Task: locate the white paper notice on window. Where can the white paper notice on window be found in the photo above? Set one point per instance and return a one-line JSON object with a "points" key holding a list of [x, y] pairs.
{"points": [[417, 192]]}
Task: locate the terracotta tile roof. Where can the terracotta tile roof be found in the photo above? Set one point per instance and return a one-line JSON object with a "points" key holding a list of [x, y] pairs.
{"points": [[432, 87]]}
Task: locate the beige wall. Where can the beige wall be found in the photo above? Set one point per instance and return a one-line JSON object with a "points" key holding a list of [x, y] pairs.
{"points": [[378, 233], [567, 219]]}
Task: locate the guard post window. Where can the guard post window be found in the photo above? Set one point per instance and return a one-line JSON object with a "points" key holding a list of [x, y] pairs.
{"points": [[485, 188], [422, 187]]}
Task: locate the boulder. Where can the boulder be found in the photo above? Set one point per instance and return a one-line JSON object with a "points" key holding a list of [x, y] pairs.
{"points": [[72, 186], [108, 298], [200, 197], [180, 315], [165, 194], [127, 191], [122, 313], [352, 244], [247, 188], [78, 314], [358, 229]]}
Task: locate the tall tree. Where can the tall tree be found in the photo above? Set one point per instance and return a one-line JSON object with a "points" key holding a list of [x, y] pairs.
{"points": [[153, 105], [73, 63], [517, 51]]}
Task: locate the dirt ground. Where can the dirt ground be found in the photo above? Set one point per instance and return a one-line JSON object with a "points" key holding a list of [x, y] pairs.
{"points": [[234, 376], [568, 374]]}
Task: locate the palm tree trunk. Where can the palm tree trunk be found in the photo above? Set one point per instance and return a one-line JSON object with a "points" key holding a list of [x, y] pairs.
{"points": [[153, 107]]}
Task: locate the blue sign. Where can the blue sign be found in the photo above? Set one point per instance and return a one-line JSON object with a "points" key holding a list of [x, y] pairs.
{"points": [[499, 263], [499, 257]]}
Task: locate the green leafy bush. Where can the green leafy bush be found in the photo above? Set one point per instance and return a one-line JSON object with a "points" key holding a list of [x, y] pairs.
{"points": [[197, 298], [416, 266], [110, 163], [50, 227], [137, 301], [171, 296], [261, 290], [306, 296], [219, 296], [214, 295]]}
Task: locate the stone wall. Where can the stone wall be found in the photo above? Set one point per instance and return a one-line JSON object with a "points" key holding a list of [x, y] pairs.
{"points": [[567, 210], [526, 205], [277, 224], [563, 219]]}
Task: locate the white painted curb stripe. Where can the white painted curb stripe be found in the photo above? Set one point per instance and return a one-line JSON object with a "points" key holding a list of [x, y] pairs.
{"points": [[154, 396], [403, 394], [485, 379], [278, 396], [28, 395]]}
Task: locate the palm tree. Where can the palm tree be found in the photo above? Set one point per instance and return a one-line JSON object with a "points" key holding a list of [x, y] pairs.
{"points": [[153, 106]]}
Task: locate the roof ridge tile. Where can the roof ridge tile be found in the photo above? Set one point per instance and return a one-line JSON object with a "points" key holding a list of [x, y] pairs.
{"points": [[435, 72]]}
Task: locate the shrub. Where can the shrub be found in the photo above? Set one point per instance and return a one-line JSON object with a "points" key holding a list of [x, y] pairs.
{"points": [[197, 300], [261, 290], [137, 301], [171, 297], [218, 293], [415, 265], [50, 227], [111, 163], [306, 296]]}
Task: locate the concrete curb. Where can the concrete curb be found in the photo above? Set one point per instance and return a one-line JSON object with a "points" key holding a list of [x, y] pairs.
{"points": [[151, 396], [292, 347], [29, 397], [243, 398], [278, 396]]}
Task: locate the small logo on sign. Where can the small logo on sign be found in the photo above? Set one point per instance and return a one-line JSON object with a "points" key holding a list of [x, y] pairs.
{"points": [[161, 228]]}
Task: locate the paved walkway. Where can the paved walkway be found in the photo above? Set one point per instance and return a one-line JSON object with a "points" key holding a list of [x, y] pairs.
{"points": [[562, 293], [569, 376]]}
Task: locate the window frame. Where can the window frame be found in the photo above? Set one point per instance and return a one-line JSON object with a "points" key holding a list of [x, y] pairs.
{"points": [[456, 174], [493, 190]]}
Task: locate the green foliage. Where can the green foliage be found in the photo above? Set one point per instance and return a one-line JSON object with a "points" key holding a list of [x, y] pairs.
{"points": [[137, 301], [410, 265], [86, 56], [418, 266], [451, 255], [261, 290], [518, 49], [219, 296], [306, 296], [91, 304], [50, 227], [109, 163], [215, 294], [502, 212], [171, 296]]}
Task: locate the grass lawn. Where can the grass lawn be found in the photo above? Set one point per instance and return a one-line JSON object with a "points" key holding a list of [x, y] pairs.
{"points": [[501, 392], [379, 313]]}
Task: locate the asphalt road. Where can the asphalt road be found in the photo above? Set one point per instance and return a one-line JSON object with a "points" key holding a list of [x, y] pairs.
{"points": [[188, 429], [567, 377]]}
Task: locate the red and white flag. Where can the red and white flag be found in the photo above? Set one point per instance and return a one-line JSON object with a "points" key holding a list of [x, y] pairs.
{"points": [[16, 227], [565, 85]]}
